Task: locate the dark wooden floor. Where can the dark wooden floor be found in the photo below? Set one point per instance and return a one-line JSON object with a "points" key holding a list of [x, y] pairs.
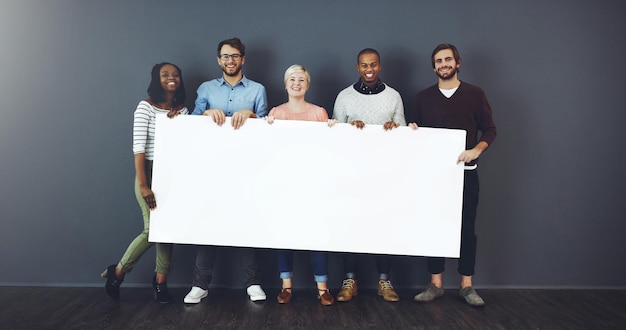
{"points": [[89, 308]]}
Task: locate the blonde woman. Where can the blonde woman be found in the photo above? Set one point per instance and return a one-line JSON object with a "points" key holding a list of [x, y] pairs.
{"points": [[297, 80]]}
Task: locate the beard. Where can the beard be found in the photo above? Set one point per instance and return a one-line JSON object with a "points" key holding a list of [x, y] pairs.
{"points": [[448, 75], [233, 73]]}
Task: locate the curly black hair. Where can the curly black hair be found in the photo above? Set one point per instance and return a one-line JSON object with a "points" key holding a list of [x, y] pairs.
{"points": [[155, 90]]}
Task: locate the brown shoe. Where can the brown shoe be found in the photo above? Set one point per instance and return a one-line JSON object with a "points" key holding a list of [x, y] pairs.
{"points": [[325, 298], [348, 290], [284, 297], [385, 289]]}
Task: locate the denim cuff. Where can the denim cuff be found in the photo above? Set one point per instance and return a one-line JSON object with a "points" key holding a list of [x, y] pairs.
{"points": [[321, 278]]}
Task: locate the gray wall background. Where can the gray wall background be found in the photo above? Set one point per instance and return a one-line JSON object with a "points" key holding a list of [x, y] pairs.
{"points": [[551, 212]]}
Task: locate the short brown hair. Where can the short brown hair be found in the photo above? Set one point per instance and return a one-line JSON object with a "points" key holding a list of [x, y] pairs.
{"points": [[233, 42], [440, 47]]}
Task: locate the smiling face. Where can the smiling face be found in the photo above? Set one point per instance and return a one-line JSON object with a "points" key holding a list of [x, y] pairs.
{"points": [[230, 66], [445, 64], [170, 78], [297, 84], [368, 66]]}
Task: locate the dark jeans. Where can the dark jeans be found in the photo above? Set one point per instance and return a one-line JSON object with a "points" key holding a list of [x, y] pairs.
{"points": [[205, 261], [383, 263], [319, 261], [467, 258]]}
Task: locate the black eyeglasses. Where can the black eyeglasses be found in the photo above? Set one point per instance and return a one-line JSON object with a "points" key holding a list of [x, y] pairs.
{"points": [[235, 57]]}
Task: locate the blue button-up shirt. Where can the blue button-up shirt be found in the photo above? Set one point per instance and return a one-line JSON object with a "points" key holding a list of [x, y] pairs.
{"points": [[218, 94]]}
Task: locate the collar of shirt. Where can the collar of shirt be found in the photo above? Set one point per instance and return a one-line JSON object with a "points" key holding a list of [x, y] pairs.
{"points": [[243, 81], [362, 88]]}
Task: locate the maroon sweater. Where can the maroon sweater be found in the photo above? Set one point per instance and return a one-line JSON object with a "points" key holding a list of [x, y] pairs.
{"points": [[467, 109]]}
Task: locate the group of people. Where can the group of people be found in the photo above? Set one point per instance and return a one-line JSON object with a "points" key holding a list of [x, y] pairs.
{"points": [[448, 104]]}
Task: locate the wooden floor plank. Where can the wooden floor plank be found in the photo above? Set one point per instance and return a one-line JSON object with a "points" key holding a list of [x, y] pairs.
{"points": [[90, 308]]}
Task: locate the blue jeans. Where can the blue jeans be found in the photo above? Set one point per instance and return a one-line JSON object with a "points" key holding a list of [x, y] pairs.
{"points": [[319, 260]]}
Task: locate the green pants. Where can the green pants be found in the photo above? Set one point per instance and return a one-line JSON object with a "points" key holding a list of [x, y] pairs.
{"points": [[140, 244]]}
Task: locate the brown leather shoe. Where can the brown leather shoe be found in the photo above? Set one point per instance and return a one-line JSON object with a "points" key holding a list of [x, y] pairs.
{"points": [[325, 298], [348, 290], [385, 289], [284, 297]]}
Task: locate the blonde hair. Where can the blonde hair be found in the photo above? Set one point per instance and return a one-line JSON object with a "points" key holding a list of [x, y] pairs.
{"points": [[297, 68]]}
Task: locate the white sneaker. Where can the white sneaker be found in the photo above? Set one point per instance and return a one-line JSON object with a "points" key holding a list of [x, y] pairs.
{"points": [[195, 295], [256, 293]]}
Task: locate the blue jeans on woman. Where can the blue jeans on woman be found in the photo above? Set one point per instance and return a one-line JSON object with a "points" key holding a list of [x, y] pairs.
{"points": [[319, 260]]}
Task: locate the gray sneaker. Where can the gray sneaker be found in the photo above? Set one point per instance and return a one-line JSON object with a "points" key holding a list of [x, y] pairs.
{"points": [[429, 294], [471, 297]]}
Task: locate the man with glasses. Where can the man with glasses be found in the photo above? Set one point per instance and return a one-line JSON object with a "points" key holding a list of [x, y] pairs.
{"points": [[368, 101], [232, 95]]}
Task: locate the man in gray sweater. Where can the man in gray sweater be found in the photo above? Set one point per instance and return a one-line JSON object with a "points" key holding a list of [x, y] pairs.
{"points": [[371, 102]]}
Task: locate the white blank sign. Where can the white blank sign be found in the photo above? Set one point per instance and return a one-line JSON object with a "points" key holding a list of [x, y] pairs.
{"points": [[306, 186]]}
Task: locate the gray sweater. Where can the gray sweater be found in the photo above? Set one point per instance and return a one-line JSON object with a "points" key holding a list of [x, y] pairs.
{"points": [[372, 109]]}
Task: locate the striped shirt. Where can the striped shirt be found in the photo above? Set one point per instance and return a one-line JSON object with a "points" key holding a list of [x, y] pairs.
{"points": [[143, 127]]}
